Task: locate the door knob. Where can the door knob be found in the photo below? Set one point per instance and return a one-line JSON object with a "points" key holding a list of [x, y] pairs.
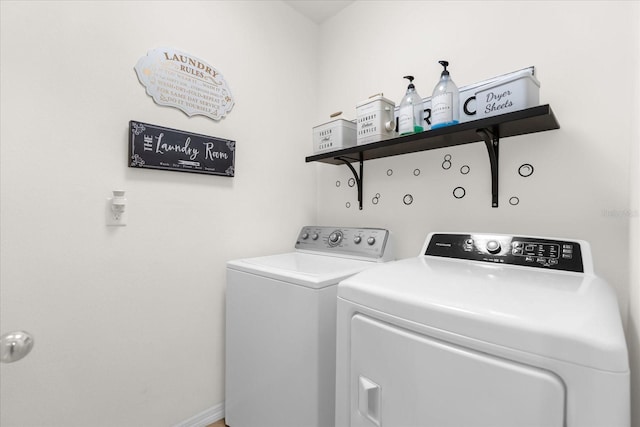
{"points": [[14, 346]]}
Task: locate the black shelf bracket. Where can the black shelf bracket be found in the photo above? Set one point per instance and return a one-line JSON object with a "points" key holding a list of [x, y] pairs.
{"points": [[356, 176], [491, 139]]}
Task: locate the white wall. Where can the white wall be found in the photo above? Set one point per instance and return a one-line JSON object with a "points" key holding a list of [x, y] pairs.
{"points": [[586, 57], [129, 322]]}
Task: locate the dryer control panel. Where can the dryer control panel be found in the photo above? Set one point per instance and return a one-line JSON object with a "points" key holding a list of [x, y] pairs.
{"points": [[352, 242], [515, 250]]}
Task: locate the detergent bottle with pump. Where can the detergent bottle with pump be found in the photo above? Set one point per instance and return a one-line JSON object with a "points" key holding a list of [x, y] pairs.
{"points": [[410, 112], [444, 101]]}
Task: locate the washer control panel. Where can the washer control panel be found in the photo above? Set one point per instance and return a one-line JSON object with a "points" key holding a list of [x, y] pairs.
{"points": [[525, 251], [370, 243]]}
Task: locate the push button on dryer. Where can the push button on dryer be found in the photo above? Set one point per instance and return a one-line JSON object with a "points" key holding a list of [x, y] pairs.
{"points": [[493, 247]]}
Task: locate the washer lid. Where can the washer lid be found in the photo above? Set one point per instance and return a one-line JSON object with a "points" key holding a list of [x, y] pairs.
{"points": [[572, 317], [310, 270]]}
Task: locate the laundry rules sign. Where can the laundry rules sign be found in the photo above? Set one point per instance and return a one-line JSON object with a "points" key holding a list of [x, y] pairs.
{"points": [[157, 147], [181, 80]]}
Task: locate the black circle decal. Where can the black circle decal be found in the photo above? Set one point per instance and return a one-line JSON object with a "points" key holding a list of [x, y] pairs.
{"points": [[459, 192], [525, 170]]}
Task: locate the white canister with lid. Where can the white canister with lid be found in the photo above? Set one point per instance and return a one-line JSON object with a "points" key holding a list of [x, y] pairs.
{"points": [[337, 134], [375, 119]]}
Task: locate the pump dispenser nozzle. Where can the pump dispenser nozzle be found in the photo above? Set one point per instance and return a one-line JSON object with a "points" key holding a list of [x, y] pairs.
{"points": [[410, 78], [445, 64]]}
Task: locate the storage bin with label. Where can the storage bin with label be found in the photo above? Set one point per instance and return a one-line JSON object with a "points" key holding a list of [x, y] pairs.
{"points": [[468, 94], [334, 135], [517, 92], [467, 104], [375, 120]]}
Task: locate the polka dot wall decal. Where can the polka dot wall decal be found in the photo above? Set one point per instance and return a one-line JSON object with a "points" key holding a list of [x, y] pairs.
{"points": [[459, 192], [446, 164], [525, 170]]}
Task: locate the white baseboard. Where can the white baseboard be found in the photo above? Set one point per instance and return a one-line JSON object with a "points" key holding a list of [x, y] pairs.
{"points": [[204, 418]]}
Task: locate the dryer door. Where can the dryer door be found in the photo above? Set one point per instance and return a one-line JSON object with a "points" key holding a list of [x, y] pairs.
{"points": [[403, 379]]}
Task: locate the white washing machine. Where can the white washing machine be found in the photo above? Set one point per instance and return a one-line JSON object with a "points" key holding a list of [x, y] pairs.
{"points": [[482, 331], [281, 323]]}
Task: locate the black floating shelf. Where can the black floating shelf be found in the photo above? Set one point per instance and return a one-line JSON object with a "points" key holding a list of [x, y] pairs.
{"points": [[489, 130], [531, 120]]}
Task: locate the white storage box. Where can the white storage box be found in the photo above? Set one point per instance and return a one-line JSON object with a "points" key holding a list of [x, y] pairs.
{"points": [[517, 92], [375, 120], [334, 135], [468, 108], [468, 94]]}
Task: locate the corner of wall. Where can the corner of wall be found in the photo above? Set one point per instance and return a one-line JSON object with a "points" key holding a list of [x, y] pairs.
{"points": [[633, 321]]}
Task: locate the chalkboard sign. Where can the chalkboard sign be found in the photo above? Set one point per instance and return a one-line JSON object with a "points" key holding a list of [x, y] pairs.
{"points": [[157, 147]]}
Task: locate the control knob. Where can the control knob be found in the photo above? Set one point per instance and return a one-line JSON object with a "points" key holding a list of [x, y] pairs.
{"points": [[314, 236], [305, 236], [357, 239], [371, 241], [335, 238]]}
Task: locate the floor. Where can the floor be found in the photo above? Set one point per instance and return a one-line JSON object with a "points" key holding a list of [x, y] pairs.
{"points": [[217, 424]]}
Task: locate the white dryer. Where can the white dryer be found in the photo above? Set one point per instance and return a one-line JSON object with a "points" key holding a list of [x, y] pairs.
{"points": [[482, 331], [281, 323]]}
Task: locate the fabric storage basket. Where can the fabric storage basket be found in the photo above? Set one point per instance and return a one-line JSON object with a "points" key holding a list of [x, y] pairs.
{"points": [[517, 92], [375, 119], [334, 135]]}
